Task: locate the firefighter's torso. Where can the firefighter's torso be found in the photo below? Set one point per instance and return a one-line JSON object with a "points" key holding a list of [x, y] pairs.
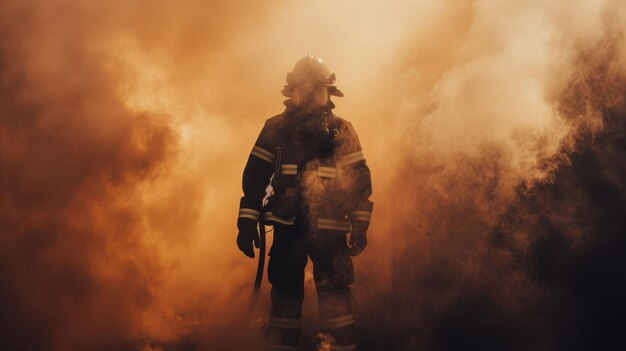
{"points": [[307, 181]]}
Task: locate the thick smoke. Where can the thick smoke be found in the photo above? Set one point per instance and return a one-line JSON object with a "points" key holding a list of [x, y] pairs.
{"points": [[494, 131], [75, 271], [81, 262], [509, 237]]}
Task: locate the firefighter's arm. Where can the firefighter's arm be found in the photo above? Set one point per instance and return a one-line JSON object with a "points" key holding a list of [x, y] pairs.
{"points": [[256, 176], [359, 186]]}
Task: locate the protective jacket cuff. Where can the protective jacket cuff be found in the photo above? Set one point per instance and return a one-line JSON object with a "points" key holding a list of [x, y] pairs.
{"points": [[362, 213], [248, 213], [248, 203]]}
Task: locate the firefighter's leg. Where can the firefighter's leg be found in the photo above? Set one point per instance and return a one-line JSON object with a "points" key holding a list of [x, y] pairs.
{"points": [[333, 273], [286, 274]]}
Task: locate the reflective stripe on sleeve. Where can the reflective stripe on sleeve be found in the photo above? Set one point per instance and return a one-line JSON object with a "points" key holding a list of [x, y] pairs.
{"points": [[263, 154], [326, 172], [270, 217], [338, 322], [364, 216], [289, 169], [249, 213], [285, 323], [324, 223], [352, 158], [343, 348]]}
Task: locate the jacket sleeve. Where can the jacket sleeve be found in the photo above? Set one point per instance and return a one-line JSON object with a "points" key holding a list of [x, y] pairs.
{"points": [[356, 174], [256, 177]]}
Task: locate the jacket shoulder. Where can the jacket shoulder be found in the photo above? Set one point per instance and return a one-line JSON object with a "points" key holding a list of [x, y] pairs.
{"points": [[347, 138], [270, 131], [274, 121], [344, 126], [341, 122]]}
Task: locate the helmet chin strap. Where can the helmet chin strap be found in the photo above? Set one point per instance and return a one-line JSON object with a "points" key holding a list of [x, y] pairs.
{"points": [[296, 96]]}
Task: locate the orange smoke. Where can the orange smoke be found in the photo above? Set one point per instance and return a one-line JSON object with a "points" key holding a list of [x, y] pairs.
{"points": [[125, 128]]}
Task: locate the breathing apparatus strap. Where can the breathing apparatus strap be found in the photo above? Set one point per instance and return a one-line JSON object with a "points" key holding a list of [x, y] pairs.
{"points": [[260, 269], [334, 148], [277, 165]]}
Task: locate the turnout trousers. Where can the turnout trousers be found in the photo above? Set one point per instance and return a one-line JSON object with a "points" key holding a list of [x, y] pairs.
{"points": [[333, 274]]}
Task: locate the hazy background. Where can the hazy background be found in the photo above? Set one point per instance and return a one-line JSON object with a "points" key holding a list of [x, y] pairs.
{"points": [[495, 132]]}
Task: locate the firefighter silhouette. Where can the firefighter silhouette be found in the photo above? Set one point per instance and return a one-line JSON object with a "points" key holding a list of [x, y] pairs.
{"points": [[320, 192]]}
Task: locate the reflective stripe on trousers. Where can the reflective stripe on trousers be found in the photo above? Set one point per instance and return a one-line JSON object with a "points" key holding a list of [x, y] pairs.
{"points": [[277, 347], [285, 323], [338, 322], [283, 333]]}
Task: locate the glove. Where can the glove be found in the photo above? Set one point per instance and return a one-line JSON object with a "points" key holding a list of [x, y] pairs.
{"points": [[358, 238], [248, 234]]}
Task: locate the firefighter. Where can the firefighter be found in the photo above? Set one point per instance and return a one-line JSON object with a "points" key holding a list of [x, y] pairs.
{"points": [[319, 206]]}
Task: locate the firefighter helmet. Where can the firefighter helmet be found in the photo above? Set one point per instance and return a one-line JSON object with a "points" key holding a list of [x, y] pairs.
{"points": [[311, 75]]}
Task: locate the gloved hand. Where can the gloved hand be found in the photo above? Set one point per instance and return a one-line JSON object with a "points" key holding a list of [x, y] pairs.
{"points": [[358, 238], [248, 234]]}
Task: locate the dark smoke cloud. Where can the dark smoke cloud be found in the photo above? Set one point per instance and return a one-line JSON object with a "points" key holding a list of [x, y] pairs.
{"points": [[540, 268]]}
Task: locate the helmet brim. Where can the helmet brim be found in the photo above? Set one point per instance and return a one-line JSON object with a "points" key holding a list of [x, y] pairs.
{"points": [[332, 90]]}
